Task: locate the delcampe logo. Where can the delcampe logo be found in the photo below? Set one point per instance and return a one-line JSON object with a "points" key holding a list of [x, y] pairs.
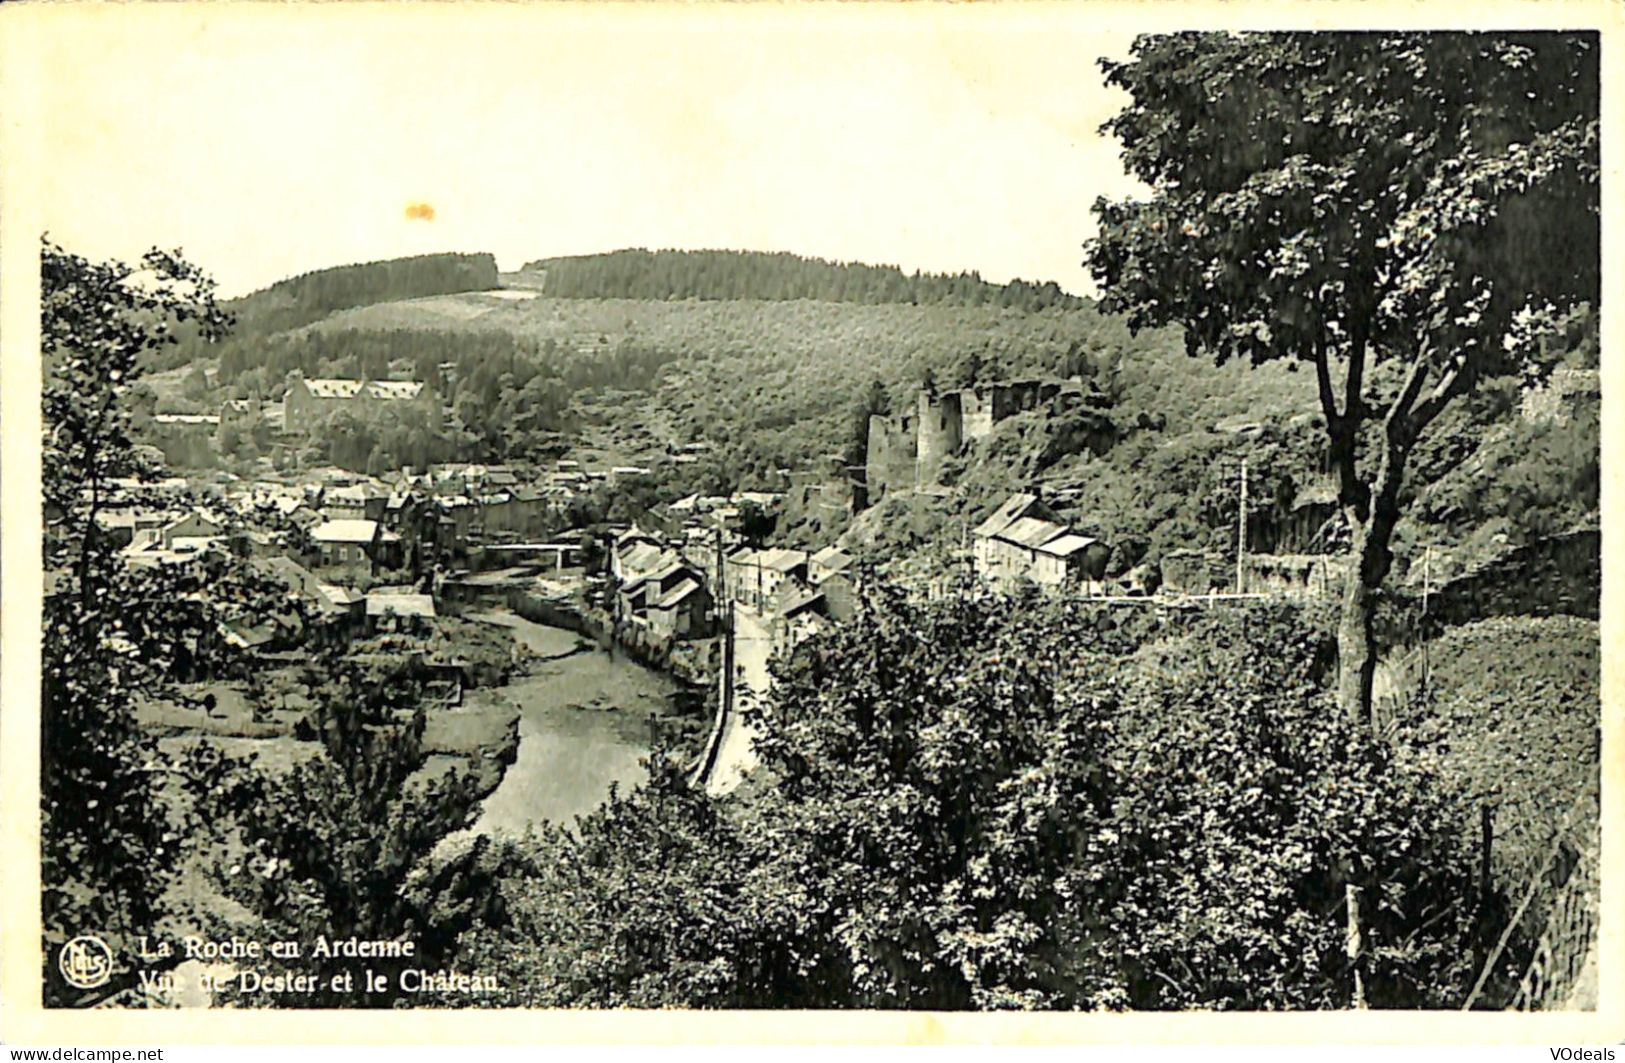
{"points": [[86, 962]]}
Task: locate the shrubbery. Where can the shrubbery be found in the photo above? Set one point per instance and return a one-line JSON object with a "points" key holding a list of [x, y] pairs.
{"points": [[991, 805]]}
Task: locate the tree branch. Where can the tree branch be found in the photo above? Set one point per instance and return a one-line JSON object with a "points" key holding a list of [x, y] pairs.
{"points": [[1342, 429], [1398, 419], [1353, 402], [1453, 383], [1323, 379]]}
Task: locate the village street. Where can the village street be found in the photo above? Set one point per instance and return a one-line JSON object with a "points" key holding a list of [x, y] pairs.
{"points": [[753, 646]]}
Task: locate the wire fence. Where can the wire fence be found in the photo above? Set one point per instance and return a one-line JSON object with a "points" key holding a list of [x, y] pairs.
{"points": [[1563, 971], [1549, 941]]}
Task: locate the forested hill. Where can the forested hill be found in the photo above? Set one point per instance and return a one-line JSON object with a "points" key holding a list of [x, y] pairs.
{"points": [[298, 301], [310, 297], [641, 274]]}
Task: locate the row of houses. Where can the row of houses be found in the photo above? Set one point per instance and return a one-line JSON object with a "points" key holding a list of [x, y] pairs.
{"points": [[1023, 542], [660, 587], [318, 612]]}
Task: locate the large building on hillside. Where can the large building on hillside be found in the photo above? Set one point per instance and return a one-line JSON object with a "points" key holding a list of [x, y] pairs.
{"points": [[309, 402]]}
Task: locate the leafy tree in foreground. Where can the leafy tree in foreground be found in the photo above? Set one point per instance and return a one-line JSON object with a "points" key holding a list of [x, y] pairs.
{"points": [[969, 805], [1397, 210], [111, 633], [338, 846]]}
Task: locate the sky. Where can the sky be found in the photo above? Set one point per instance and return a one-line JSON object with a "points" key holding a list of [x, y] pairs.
{"points": [[268, 141]]}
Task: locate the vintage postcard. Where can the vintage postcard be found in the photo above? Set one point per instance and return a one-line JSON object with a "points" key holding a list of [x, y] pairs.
{"points": [[810, 522]]}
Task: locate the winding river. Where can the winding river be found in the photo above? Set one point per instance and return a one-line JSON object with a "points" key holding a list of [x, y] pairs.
{"points": [[585, 723]]}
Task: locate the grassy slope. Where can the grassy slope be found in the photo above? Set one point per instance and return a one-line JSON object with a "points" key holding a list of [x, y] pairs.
{"points": [[1514, 720]]}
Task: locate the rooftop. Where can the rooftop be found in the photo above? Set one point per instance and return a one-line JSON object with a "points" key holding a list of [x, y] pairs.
{"points": [[781, 559], [346, 531], [400, 605], [1031, 532], [677, 594], [1068, 544], [331, 388], [1014, 508], [642, 557], [832, 558]]}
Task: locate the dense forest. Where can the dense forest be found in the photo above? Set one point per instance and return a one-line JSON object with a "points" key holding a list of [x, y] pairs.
{"points": [[310, 296], [300, 300], [641, 274]]}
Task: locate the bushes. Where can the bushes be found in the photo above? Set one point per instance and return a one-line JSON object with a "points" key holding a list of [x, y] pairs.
{"points": [[1513, 719], [980, 804]]}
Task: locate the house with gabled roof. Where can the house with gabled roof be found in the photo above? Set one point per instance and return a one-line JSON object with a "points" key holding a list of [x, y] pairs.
{"points": [[651, 586], [355, 542], [826, 563], [681, 612], [358, 501], [796, 613], [991, 555], [1023, 541], [755, 576]]}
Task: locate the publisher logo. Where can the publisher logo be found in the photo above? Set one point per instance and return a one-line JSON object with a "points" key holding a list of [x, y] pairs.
{"points": [[86, 962]]}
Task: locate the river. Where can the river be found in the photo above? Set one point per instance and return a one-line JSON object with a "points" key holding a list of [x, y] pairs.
{"points": [[584, 725]]}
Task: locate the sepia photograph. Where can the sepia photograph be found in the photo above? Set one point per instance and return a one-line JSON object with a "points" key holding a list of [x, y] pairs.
{"points": [[799, 507]]}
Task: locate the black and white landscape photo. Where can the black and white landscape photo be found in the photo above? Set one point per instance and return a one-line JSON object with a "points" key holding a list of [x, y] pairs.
{"points": [[929, 509]]}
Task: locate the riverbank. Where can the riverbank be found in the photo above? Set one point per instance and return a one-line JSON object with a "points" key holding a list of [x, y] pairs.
{"points": [[690, 662], [588, 718]]}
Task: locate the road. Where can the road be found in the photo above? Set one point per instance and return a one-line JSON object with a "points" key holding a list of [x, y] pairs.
{"points": [[736, 755]]}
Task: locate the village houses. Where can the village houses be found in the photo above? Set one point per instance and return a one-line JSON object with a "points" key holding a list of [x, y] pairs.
{"points": [[355, 542], [1023, 541]]}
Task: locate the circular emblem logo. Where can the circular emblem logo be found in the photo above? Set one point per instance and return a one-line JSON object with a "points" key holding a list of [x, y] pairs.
{"points": [[86, 962]]}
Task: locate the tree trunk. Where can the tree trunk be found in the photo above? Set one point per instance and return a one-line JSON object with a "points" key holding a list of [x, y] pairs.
{"points": [[1356, 644]]}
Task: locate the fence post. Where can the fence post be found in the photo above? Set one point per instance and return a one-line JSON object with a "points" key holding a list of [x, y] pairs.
{"points": [[1486, 929], [1352, 943]]}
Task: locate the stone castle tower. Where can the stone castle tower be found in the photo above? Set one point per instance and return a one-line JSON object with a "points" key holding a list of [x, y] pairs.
{"points": [[908, 450], [941, 432]]}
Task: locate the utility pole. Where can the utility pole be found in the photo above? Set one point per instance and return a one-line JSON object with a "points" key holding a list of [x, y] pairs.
{"points": [[721, 589], [728, 652], [1241, 534], [725, 695], [1427, 577], [1427, 587]]}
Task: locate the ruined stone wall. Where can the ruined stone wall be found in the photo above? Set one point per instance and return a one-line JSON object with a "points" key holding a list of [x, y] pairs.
{"points": [[911, 449], [941, 433], [1014, 397], [976, 413], [889, 464]]}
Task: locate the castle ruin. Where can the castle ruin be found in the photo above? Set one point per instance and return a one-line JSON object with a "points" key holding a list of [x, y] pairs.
{"points": [[909, 449]]}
